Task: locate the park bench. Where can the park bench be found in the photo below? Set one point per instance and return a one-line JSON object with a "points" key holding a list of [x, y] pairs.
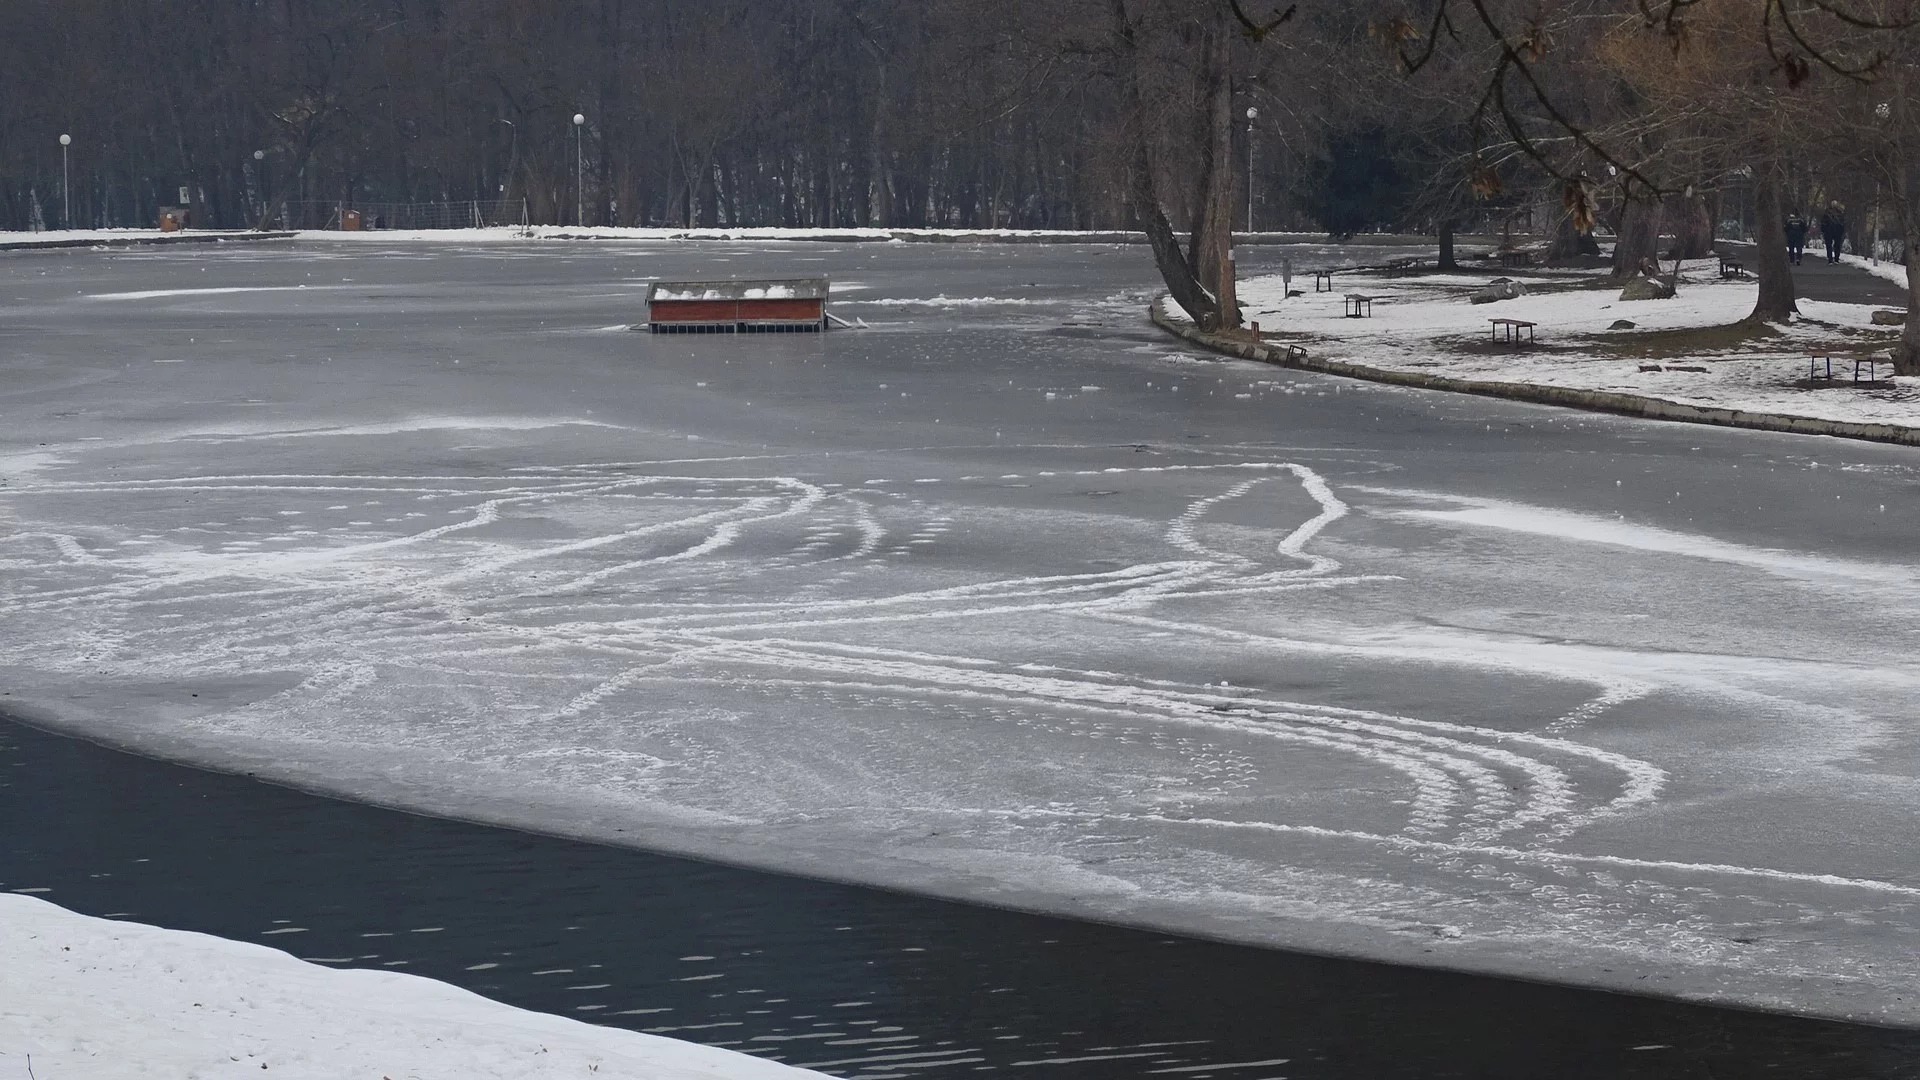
{"points": [[1732, 268], [1358, 306], [1511, 329], [1820, 367], [1514, 260], [1405, 265], [1323, 281]]}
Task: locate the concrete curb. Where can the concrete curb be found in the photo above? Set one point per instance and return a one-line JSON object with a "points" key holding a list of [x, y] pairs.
{"points": [[1606, 401], [138, 241]]}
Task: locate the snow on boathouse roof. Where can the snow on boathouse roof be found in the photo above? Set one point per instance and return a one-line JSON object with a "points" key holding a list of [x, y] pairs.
{"points": [[789, 289]]}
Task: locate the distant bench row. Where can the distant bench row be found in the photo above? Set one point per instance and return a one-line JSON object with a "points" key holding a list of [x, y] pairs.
{"points": [[1412, 264]]}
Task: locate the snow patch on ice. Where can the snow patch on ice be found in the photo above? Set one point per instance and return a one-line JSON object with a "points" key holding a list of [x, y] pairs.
{"points": [[161, 294], [949, 302], [1588, 529]]}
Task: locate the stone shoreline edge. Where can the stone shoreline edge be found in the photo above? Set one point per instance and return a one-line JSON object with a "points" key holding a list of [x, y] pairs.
{"points": [[138, 241], [1606, 401], [941, 236]]}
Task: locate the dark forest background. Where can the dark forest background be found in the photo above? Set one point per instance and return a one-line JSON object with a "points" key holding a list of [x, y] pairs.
{"points": [[837, 113]]}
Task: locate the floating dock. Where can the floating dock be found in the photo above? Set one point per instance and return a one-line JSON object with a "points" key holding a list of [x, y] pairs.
{"points": [[797, 305]]}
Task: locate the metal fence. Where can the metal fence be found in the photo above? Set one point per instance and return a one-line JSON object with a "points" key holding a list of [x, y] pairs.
{"points": [[477, 214]]}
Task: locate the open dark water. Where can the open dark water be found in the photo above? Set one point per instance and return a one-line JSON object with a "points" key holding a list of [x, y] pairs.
{"points": [[854, 982]]}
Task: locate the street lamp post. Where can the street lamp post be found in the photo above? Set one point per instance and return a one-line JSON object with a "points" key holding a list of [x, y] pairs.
{"points": [[260, 177], [66, 212], [579, 171], [1883, 111], [1252, 115], [513, 158]]}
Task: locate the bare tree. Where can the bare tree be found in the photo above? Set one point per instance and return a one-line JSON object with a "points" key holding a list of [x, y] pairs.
{"points": [[1176, 64], [1749, 68]]}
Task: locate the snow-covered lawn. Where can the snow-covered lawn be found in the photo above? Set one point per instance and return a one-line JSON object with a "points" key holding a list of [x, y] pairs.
{"points": [[89, 998], [767, 233], [1426, 323]]}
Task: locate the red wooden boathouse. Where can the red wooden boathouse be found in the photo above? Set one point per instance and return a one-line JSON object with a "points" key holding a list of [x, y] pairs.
{"points": [[737, 307]]}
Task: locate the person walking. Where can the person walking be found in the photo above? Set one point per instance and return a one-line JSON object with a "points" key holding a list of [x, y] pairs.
{"points": [[1833, 229], [1796, 237]]}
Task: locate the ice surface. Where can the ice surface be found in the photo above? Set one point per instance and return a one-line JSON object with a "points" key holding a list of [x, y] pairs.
{"points": [[1215, 647]]}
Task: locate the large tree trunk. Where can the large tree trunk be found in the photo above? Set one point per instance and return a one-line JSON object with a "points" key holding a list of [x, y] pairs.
{"points": [[1639, 242], [1167, 256], [1566, 242], [1906, 352], [1144, 190], [1447, 259], [1692, 227], [1212, 250], [1775, 304]]}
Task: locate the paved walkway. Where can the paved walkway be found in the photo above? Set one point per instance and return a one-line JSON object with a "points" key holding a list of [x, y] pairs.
{"points": [[1842, 283], [1817, 279]]}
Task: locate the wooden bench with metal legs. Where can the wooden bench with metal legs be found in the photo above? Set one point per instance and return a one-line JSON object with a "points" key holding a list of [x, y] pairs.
{"points": [[1511, 329]]}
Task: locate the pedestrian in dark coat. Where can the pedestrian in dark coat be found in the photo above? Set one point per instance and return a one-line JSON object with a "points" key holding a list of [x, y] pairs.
{"points": [[1796, 237], [1833, 228]]}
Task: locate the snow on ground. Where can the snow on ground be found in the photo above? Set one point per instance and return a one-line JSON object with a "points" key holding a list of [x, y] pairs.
{"points": [[664, 235], [1426, 323], [754, 234], [760, 234], [769, 233], [1892, 271], [495, 234], [86, 998], [569, 232], [62, 237]]}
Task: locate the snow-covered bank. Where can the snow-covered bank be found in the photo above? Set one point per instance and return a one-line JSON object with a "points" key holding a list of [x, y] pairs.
{"points": [[86, 998], [1427, 324], [78, 238], [515, 233], [775, 234]]}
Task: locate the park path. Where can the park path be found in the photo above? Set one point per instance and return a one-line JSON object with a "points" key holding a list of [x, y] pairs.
{"points": [[1845, 283]]}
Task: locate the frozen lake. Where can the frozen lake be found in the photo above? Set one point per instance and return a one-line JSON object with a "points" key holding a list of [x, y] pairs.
{"points": [[1005, 599], [853, 982]]}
